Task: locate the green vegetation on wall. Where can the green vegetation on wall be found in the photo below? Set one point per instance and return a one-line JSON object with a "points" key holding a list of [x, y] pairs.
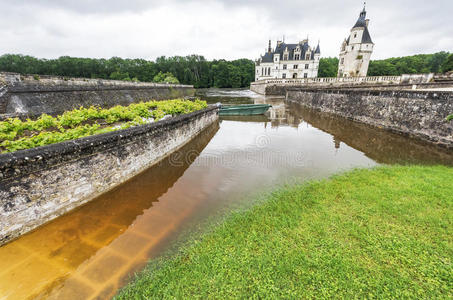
{"points": [[16, 134]]}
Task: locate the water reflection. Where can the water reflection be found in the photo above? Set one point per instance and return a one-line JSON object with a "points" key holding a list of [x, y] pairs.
{"points": [[92, 251]]}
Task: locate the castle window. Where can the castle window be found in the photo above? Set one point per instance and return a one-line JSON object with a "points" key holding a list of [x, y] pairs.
{"points": [[305, 75], [295, 66], [355, 35], [306, 66], [283, 75], [284, 67], [307, 57], [295, 75], [342, 60], [352, 48], [285, 56], [297, 57]]}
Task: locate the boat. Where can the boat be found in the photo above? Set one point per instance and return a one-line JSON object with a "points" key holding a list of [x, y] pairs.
{"points": [[244, 110]]}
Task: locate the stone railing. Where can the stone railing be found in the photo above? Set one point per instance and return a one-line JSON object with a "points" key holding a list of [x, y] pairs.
{"points": [[13, 79], [278, 86], [327, 80], [33, 95]]}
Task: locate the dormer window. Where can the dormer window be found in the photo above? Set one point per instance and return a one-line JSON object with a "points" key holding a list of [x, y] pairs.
{"points": [[307, 57], [297, 56], [285, 56]]}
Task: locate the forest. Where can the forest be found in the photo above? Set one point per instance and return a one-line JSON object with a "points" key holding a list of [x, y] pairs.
{"points": [[196, 70], [193, 69], [421, 63]]}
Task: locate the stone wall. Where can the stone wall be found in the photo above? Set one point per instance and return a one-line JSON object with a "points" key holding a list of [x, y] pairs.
{"points": [[33, 95], [278, 87], [415, 113], [38, 185]]}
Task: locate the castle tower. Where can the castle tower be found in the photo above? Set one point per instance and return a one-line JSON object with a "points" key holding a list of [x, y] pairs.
{"points": [[356, 50]]}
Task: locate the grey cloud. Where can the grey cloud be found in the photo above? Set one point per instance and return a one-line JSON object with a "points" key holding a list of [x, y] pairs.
{"points": [[59, 27]]}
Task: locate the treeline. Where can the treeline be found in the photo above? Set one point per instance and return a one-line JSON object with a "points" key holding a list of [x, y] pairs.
{"points": [[422, 63], [197, 71], [194, 69]]}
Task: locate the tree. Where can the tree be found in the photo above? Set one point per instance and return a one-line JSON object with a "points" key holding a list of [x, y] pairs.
{"points": [[447, 66], [165, 78], [328, 67]]}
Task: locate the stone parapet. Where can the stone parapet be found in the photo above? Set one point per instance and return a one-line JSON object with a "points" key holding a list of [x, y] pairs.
{"points": [[421, 114], [32, 95], [279, 86]]}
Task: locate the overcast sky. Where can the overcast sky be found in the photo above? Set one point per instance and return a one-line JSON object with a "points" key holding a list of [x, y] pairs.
{"points": [[216, 28]]}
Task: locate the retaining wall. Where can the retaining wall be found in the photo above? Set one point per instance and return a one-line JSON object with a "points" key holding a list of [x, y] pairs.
{"points": [[278, 87], [38, 185], [415, 113], [32, 95]]}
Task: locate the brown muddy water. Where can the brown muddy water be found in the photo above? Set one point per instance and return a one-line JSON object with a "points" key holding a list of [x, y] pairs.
{"points": [[92, 251]]}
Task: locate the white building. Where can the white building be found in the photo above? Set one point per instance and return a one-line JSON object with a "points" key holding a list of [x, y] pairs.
{"points": [[356, 50], [288, 61]]}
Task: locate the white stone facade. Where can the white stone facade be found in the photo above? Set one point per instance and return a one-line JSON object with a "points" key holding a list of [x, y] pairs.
{"points": [[288, 61], [356, 50]]}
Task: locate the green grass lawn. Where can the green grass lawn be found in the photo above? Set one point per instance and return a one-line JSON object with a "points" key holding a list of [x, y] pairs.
{"points": [[380, 233]]}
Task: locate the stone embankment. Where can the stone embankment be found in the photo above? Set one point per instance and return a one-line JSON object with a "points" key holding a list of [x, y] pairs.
{"points": [[38, 185], [32, 95], [420, 114], [278, 87]]}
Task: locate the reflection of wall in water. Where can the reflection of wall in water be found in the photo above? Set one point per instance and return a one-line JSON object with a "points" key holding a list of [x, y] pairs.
{"points": [[83, 236], [378, 144]]}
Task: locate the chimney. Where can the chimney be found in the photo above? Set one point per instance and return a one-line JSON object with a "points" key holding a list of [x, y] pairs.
{"points": [[367, 21], [269, 50]]}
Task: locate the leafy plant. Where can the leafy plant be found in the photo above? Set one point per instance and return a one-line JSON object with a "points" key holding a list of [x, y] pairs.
{"points": [[450, 118], [16, 134]]}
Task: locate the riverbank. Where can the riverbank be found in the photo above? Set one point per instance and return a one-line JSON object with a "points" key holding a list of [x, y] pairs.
{"points": [[384, 232]]}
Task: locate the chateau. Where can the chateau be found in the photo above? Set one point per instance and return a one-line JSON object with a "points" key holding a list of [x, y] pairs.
{"points": [[356, 50], [288, 61]]}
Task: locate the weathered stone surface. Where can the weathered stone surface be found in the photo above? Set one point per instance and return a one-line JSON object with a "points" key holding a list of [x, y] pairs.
{"points": [[278, 87], [38, 185], [415, 113], [25, 95]]}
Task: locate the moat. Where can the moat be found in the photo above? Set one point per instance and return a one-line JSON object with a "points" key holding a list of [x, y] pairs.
{"points": [[92, 251]]}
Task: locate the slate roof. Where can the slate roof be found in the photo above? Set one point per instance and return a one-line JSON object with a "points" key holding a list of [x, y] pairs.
{"points": [[366, 38], [280, 49], [267, 58], [318, 49], [361, 22]]}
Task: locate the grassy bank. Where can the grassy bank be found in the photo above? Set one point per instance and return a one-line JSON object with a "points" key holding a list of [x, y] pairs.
{"points": [[381, 233]]}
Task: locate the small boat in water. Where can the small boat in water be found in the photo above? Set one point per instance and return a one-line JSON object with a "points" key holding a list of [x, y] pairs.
{"points": [[244, 110]]}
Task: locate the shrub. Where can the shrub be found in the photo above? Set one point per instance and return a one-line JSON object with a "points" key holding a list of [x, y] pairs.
{"points": [[84, 122]]}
